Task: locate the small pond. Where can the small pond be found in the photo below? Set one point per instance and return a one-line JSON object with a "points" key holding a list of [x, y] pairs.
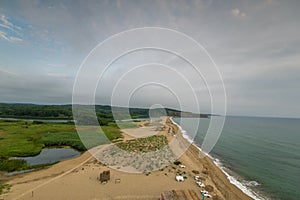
{"points": [[51, 155]]}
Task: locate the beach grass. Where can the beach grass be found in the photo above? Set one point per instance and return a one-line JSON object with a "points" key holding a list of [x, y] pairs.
{"points": [[144, 145]]}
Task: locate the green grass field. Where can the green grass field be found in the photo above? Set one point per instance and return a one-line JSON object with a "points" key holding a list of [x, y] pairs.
{"points": [[21, 138], [128, 124]]}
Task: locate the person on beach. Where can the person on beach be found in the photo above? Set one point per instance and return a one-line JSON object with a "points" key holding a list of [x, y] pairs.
{"points": [[203, 196]]}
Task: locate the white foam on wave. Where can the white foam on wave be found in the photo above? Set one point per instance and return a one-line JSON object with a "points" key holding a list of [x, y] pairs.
{"points": [[185, 135], [242, 186], [251, 183]]}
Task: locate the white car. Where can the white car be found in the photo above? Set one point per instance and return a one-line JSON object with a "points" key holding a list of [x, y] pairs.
{"points": [[197, 178], [179, 178], [200, 184], [182, 166], [206, 194]]}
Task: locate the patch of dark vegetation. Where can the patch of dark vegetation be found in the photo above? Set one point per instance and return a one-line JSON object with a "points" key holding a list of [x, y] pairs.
{"points": [[103, 112], [13, 165], [63, 139], [177, 162]]}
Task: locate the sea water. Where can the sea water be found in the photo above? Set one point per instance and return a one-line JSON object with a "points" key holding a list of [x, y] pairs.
{"points": [[259, 155]]}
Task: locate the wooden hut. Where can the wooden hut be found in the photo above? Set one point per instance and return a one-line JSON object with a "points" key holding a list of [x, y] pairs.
{"points": [[105, 176]]}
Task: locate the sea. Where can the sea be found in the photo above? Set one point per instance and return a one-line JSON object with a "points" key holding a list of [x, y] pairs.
{"points": [[259, 155]]}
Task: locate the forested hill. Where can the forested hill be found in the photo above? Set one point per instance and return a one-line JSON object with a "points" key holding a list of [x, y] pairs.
{"points": [[35, 111]]}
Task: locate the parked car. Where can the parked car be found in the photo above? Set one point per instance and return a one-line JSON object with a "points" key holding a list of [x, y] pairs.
{"points": [[200, 184], [179, 178]]}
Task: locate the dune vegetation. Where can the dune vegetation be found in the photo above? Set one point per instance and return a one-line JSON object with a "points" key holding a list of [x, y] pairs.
{"points": [[144, 145]]}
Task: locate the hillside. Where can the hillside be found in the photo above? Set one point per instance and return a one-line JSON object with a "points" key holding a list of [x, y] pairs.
{"points": [[104, 112]]}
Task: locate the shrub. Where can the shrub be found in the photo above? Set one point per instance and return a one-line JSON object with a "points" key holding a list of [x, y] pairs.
{"points": [[177, 162], [37, 122], [4, 188], [12, 165]]}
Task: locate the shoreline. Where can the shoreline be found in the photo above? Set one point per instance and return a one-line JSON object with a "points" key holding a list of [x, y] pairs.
{"points": [[233, 180], [81, 174]]}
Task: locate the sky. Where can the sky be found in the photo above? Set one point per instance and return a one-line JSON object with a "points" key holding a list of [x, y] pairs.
{"points": [[254, 44]]}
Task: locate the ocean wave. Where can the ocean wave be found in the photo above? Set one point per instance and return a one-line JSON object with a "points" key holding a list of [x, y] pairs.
{"points": [[251, 183], [243, 186], [185, 135]]}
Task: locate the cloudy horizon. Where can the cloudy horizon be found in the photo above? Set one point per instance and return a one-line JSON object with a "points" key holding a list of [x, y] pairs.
{"points": [[253, 43]]}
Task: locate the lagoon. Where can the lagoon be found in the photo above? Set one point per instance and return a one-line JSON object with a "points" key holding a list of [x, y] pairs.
{"points": [[51, 155]]}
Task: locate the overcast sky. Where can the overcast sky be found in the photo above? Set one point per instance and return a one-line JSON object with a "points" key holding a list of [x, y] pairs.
{"points": [[255, 44]]}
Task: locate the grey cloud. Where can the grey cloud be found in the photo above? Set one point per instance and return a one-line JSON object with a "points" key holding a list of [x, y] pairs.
{"points": [[254, 43], [26, 88]]}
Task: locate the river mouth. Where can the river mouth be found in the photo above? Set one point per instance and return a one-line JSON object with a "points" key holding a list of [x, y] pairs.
{"points": [[51, 155]]}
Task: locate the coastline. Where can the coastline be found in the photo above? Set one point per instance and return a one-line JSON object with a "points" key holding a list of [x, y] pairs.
{"points": [[81, 174], [220, 165]]}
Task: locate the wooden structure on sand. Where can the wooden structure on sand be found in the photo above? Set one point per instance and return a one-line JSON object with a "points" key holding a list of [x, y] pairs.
{"points": [[181, 195], [105, 176]]}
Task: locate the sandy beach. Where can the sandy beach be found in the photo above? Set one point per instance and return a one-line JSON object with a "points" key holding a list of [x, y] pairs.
{"points": [[78, 178]]}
